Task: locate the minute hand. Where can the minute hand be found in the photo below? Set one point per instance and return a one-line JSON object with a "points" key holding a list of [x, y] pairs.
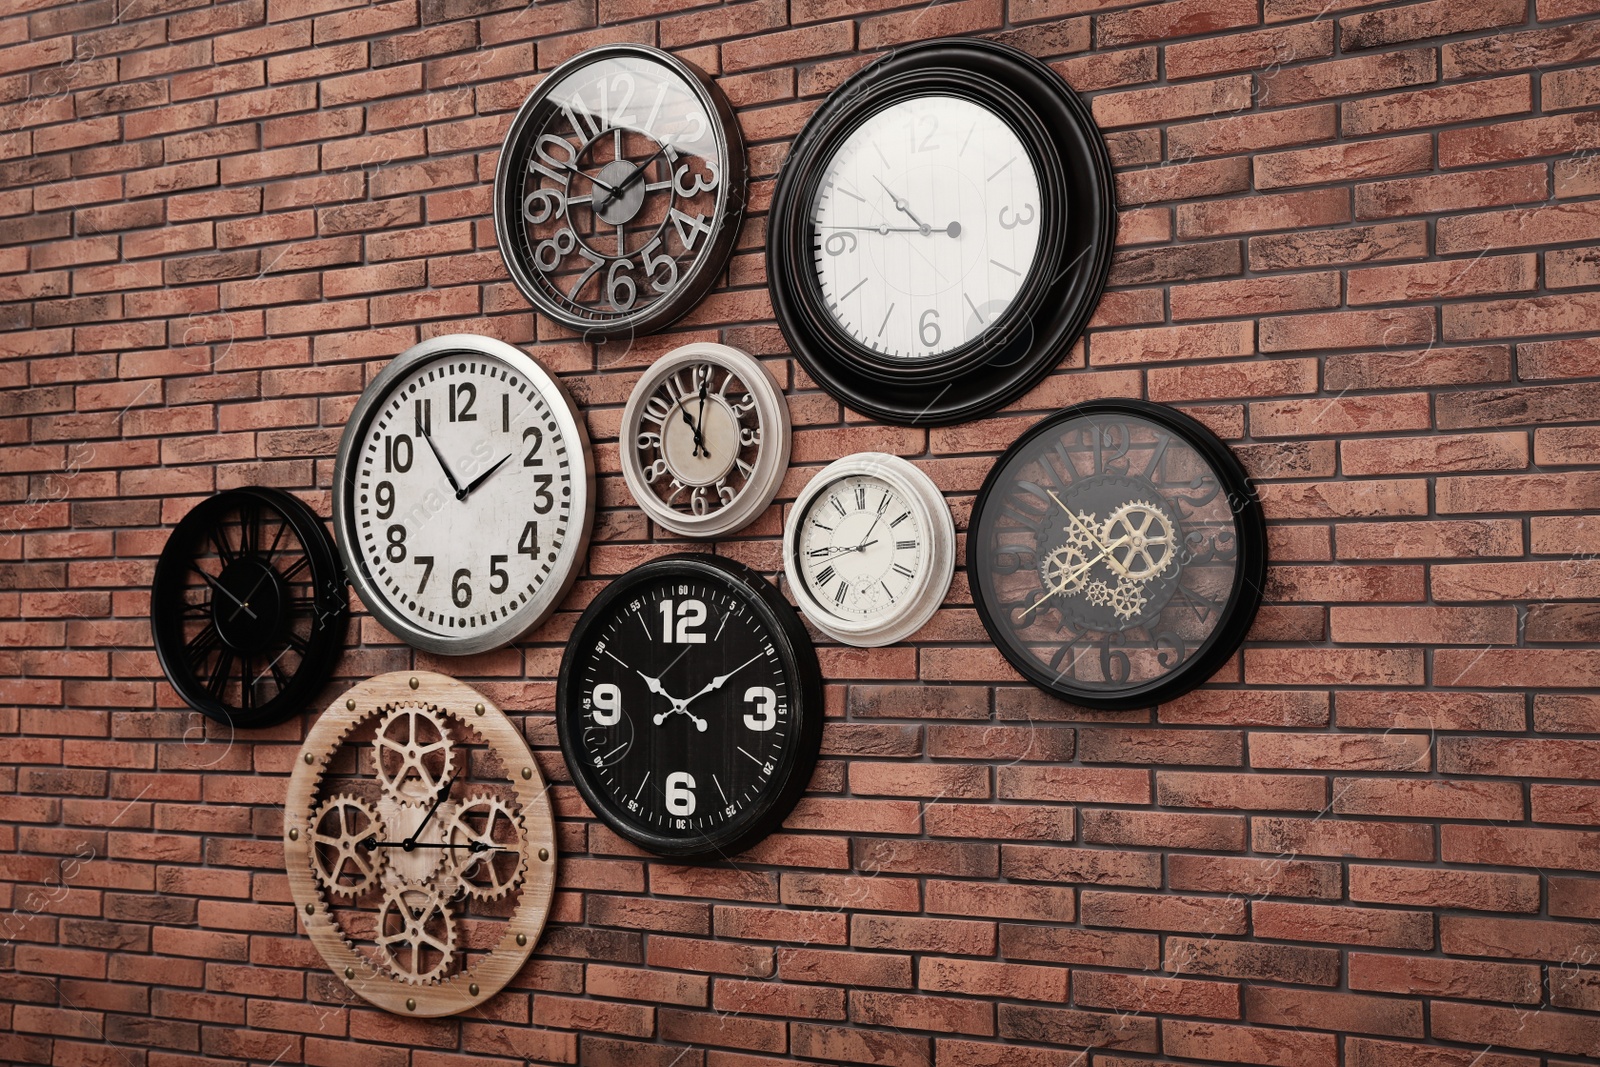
{"points": [[717, 682]]}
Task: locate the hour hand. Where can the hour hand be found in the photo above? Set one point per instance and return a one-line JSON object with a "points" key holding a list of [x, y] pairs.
{"points": [[461, 494]]}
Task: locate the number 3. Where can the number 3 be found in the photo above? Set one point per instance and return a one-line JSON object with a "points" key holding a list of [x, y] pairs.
{"points": [[765, 717]]}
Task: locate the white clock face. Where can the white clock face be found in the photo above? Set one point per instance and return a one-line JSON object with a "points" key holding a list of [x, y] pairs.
{"points": [[860, 548], [461, 497], [927, 224]]}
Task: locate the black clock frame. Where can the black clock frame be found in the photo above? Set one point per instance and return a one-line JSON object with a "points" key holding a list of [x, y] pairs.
{"points": [[799, 661], [515, 247], [328, 610], [1050, 311], [1249, 576]]}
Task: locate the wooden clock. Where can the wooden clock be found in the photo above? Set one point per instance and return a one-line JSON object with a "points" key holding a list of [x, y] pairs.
{"points": [[941, 232], [419, 843]]}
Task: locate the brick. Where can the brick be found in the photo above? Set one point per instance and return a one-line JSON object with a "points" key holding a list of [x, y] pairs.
{"points": [[1311, 1009], [1346, 77], [1344, 162], [1249, 1044]]}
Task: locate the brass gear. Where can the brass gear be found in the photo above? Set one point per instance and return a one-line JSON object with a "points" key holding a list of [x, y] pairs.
{"points": [[337, 829], [1136, 551], [1080, 534], [413, 753], [1126, 600], [416, 934], [487, 820], [1097, 592], [1064, 571]]}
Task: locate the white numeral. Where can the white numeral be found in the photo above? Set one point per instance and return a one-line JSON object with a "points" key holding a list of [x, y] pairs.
{"points": [[765, 717], [680, 793], [690, 615], [607, 704]]}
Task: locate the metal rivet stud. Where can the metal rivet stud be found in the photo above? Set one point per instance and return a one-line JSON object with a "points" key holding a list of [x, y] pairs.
{"points": [[544, 854], [349, 972], [350, 705], [411, 1004], [473, 989], [522, 939], [308, 758], [294, 835], [415, 683], [527, 772], [311, 909], [478, 709]]}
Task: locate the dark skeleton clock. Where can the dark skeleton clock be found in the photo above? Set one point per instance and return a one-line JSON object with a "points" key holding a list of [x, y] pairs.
{"points": [[1117, 554]]}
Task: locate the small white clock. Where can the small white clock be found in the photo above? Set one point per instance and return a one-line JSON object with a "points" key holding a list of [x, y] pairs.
{"points": [[869, 549], [705, 440], [463, 494]]}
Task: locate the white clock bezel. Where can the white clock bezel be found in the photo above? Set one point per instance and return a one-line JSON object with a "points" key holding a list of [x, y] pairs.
{"points": [[773, 460], [574, 550], [933, 580]]}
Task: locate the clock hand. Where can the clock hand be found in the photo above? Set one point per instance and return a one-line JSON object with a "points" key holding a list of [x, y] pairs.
{"points": [[461, 494], [1105, 550], [475, 846], [699, 445], [700, 416], [630, 179], [451, 478], [224, 590], [717, 682], [411, 842], [850, 548], [900, 205], [678, 707], [954, 229]]}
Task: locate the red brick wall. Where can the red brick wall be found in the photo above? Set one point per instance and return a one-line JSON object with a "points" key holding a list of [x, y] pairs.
{"points": [[1357, 240]]}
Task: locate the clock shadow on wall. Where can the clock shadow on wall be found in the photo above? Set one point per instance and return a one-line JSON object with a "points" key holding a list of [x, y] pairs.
{"points": [[941, 232]]}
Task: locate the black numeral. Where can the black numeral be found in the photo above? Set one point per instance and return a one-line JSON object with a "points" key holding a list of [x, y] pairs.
{"points": [[396, 551], [532, 459], [904, 544], [462, 396], [824, 576], [528, 543], [424, 417], [427, 571], [904, 515], [396, 453]]}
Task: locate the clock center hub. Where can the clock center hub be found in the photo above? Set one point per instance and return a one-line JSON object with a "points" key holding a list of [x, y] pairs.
{"points": [[621, 206], [248, 607], [706, 460]]}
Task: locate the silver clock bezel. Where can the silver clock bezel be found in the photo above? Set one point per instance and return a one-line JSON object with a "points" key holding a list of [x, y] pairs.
{"points": [[574, 550], [932, 581], [773, 461]]}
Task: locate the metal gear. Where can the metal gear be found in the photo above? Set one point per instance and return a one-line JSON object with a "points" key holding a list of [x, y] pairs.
{"points": [[1137, 552], [338, 827], [413, 753], [1126, 600], [416, 933], [1097, 592], [486, 820], [1063, 570], [1080, 534]]}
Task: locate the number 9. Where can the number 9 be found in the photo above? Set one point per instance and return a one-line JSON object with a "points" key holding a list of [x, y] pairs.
{"points": [[607, 704]]}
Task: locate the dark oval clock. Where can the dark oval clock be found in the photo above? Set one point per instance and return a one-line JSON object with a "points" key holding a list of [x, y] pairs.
{"points": [[248, 608], [941, 232], [689, 706], [619, 190], [1117, 554]]}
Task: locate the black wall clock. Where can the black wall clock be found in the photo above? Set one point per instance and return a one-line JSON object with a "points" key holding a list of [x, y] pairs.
{"points": [[689, 706], [619, 190], [248, 608], [941, 232], [1117, 554]]}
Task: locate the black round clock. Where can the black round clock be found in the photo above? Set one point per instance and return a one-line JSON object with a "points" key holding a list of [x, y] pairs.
{"points": [[689, 706], [1117, 554], [248, 608], [619, 190], [941, 232]]}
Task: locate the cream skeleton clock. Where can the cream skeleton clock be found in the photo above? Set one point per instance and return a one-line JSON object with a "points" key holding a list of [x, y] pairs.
{"points": [[869, 549], [464, 494], [705, 440], [419, 844]]}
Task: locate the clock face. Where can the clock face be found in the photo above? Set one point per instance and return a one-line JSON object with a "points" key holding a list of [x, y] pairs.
{"points": [[710, 440], [619, 190], [248, 608], [688, 706], [927, 222], [465, 494], [860, 547], [1117, 554], [869, 549], [419, 843]]}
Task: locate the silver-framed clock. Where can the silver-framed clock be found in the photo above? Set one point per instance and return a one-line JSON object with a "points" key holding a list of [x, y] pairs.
{"points": [[705, 440], [619, 190], [463, 494], [869, 549]]}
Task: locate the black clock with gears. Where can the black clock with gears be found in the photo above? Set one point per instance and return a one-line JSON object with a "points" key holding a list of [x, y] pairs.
{"points": [[689, 706]]}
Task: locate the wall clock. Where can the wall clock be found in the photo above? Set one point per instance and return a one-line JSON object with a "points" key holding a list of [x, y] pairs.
{"points": [[464, 494], [1117, 554], [705, 440], [689, 706], [419, 843], [869, 549], [248, 608], [941, 232], [619, 190]]}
